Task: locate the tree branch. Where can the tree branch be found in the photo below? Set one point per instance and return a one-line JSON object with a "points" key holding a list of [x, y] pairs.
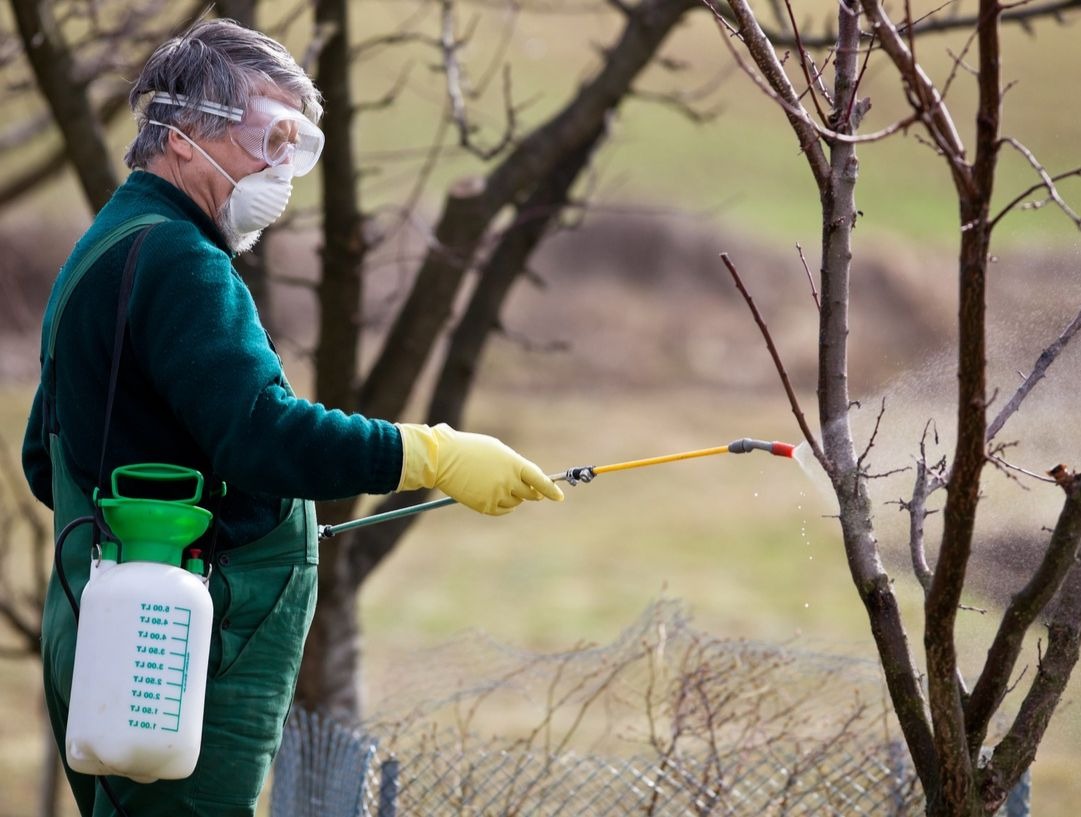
{"points": [[775, 78], [932, 23], [1043, 363], [1046, 182], [1041, 186], [926, 101], [928, 480], [793, 401], [503, 268], [471, 205], [1017, 749], [1024, 607]]}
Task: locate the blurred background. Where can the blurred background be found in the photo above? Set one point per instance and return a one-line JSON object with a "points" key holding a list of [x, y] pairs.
{"points": [[627, 339]]}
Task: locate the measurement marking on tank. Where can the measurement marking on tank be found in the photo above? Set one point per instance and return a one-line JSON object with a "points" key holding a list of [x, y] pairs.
{"points": [[180, 622]]}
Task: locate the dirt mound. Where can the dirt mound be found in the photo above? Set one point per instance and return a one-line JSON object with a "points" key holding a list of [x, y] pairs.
{"points": [[628, 300], [650, 299]]}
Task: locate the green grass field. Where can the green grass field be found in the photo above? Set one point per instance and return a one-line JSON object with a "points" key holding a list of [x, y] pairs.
{"points": [[744, 542], [740, 540]]}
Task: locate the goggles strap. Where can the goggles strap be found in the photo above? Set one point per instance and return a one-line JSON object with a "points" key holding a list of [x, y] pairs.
{"points": [[213, 108], [191, 141]]}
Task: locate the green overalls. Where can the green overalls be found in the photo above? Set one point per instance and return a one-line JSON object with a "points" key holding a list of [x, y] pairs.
{"points": [[264, 598]]}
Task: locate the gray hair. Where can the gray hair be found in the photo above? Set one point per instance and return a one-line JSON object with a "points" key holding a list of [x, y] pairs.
{"points": [[216, 61]]}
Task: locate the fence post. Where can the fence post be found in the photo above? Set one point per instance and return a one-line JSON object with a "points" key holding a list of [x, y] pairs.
{"points": [[1019, 800], [897, 753], [322, 769], [388, 788]]}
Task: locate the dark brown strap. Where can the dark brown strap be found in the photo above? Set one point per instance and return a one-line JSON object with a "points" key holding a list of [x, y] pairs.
{"points": [[127, 282]]}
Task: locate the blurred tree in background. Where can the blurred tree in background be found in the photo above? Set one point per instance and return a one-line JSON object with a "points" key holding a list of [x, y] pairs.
{"points": [[515, 176], [66, 65]]}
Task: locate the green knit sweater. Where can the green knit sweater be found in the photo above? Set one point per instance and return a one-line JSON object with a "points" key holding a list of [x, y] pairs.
{"points": [[200, 384]]}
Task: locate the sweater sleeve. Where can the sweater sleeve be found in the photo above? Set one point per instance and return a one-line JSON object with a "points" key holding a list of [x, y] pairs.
{"points": [[37, 466], [196, 332]]}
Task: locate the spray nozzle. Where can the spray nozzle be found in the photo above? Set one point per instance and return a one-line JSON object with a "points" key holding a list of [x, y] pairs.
{"points": [[746, 445]]}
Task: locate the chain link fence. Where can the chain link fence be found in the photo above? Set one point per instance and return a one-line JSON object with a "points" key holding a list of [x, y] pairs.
{"points": [[665, 722]]}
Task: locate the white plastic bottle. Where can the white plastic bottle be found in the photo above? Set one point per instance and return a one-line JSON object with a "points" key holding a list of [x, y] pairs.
{"points": [[140, 672], [143, 642]]}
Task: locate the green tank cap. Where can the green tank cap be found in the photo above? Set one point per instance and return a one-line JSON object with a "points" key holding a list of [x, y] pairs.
{"points": [[195, 563], [155, 530]]}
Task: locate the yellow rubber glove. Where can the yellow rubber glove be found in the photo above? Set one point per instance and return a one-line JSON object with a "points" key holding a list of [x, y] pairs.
{"points": [[477, 470]]}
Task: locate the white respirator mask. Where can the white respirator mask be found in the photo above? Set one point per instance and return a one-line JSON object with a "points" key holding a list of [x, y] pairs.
{"points": [[257, 200]]}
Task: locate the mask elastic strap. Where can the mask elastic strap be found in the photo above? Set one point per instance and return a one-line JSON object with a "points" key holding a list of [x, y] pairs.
{"points": [[192, 143]]}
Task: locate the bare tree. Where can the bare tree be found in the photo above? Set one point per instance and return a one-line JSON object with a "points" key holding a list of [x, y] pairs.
{"points": [[945, 724], [74, 52], [489, 226], [531, 175]]}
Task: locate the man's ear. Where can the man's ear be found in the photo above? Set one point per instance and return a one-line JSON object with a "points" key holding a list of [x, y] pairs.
{"points": [[180, 146]]}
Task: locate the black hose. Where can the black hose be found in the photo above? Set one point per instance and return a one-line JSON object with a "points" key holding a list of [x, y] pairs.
{"points": [[105, 787], [58, 562]]}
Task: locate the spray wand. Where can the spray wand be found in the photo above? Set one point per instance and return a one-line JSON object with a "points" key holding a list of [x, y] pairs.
{"points": [[573, 476]]}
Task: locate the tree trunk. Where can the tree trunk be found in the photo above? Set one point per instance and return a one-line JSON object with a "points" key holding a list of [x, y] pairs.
{"points": [[243, 11], [328, 673], [839, 215], [65, 93], [471, 206]]}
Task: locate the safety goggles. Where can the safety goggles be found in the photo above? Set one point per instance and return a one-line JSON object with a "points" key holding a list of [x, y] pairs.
{"points": [[268, 130]]}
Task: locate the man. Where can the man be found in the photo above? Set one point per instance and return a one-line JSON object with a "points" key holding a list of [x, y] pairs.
{"points": [[225, 118]]}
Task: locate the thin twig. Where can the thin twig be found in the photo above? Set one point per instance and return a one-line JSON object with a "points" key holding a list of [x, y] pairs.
{"points": [[997, 460], [874, 433], [804, 58], [792, 399], [810, 278], [1019, 198], [1045, 177], [928, 480], [1043, 362], [848, 123]]}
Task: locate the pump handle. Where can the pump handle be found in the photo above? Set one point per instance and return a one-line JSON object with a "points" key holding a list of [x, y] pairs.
{"points": [[158, 472]]}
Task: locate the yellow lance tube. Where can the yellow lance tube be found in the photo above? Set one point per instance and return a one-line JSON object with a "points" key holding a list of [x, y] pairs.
{"points": [[685, 455], [572, 476]]}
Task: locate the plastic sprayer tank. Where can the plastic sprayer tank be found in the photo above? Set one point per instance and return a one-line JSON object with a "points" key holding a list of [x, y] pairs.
{"points": [[143, 643]]}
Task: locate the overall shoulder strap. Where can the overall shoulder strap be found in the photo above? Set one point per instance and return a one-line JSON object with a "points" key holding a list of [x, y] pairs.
{"points": [[99, 248], [115, 235], [127, 281]]}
